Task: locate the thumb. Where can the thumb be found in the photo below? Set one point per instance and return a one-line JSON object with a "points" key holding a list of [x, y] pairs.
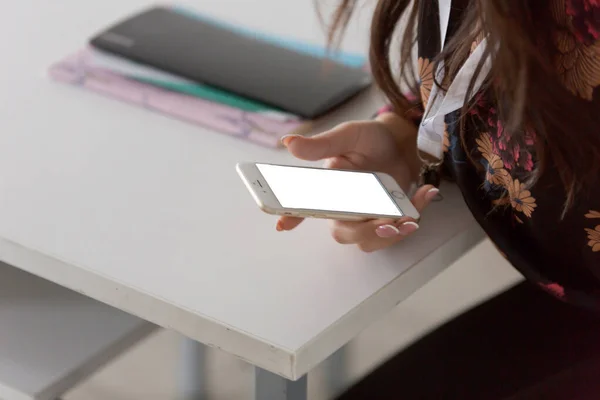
{"points": [[423, 196], [338, 141]]}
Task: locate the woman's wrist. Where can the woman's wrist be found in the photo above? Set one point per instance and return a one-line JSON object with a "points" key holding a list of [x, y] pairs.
{"points": [[404, 132], [402, 129]]}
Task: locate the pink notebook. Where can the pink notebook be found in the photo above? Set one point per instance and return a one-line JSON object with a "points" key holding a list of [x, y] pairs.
{"points": [[257, 127]]}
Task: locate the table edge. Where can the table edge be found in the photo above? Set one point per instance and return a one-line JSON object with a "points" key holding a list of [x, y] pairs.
{"points": [[380, 303], [244, 345], [291, 364]]}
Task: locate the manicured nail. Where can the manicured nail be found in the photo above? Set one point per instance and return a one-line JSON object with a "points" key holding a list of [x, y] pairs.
{"points": [[287, 139], [408, 227], [387, 231], [432, 194]]}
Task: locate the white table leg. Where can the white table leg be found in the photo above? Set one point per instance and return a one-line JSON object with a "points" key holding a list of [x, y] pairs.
{"points": [[336, 370], [274, 387], [191, 376]]}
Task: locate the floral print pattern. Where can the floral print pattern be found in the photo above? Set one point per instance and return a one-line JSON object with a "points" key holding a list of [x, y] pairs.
{"points": [[426, 77], [519, 197], [594, 234], [578, 42], [495, 172], [554, 289], [557, 249], [585, 19], [513, 154]]}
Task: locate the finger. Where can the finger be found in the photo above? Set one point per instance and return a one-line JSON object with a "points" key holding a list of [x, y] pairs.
{"points": [[381, 233], [423, 196], [399, 229], [376, 245], [288, 223], [351, 232], [405, 226], [340, 140], [362, 232], [388, 235], [338, 163]]}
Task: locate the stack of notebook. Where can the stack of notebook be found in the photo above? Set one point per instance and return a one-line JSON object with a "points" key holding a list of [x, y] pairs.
{"points": [[170, 94]]}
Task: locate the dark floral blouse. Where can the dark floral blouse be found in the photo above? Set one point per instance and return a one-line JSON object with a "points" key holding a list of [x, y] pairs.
{"points": [[562, 255]]}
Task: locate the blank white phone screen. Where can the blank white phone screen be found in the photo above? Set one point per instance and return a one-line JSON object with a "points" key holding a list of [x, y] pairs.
{"points": [[328, 190]]}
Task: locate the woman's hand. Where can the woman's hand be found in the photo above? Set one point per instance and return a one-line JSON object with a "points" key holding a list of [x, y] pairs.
{"points": [[386, 144]]}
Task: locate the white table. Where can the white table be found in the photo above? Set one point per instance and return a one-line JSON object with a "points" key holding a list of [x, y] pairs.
{"points": [[148, 215], [52, 338]]}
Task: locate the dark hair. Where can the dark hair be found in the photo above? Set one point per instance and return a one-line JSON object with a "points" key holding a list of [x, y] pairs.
{"points": [[525, 80]]}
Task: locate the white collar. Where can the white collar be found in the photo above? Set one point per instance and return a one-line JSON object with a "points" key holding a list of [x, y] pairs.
{"points": [[431, 131], [444, 7]]}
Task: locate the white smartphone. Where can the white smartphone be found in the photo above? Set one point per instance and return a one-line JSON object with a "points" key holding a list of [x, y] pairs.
{"points": [[325, 193]]}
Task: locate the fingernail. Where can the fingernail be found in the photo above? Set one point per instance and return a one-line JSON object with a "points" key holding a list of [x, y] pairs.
{"points": [[287, 139], [279, 226], [432, 194], [387, 231], [407, 228]]}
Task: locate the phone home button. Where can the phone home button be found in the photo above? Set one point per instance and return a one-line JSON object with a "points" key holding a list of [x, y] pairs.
{"points": [[398, 194]]}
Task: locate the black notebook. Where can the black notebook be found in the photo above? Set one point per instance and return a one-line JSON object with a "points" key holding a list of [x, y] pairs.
{"points": [[209, 54]]}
